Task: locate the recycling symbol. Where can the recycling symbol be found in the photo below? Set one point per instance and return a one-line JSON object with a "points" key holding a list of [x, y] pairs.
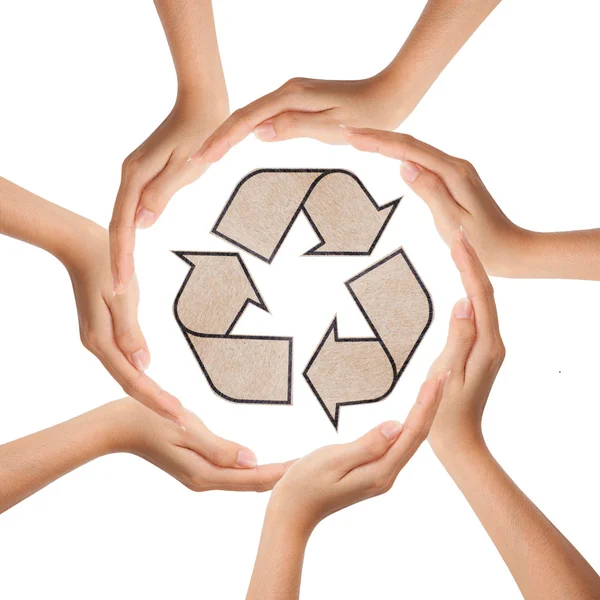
{"points": [[342, 371]]}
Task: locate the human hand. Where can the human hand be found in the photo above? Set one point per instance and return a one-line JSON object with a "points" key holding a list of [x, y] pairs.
{"points": [[309, 108], [456, 196], [338, 476], [474, 351], [108, 324], [153, 172], [195, 456]]}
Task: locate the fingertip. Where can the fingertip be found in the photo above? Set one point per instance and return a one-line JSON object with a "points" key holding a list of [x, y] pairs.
{"points": [[463, 309], [246, 459], [144, 218], [391, 430], [409, 171], [140, 359]]}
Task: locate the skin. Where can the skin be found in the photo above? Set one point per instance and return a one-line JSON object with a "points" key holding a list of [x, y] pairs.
{"points": [[315, 108], [108, 324], [457, 197], [159, 167], [543, 562], [193, 457]]}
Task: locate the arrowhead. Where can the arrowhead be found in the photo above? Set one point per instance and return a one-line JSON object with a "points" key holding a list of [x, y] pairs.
{"points": [[348, 371], [215, 292], [345, 216]]}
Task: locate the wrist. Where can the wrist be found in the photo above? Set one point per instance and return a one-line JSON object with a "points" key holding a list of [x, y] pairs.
{"points": [[284, 516], [195, 97], [76, 237], [122, 422], [460, 444]]}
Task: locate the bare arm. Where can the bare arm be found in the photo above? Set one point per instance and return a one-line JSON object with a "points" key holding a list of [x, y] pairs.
{"points": [[457, 197], [544, 564], [33, 462], [314, 108], [159, 167]]}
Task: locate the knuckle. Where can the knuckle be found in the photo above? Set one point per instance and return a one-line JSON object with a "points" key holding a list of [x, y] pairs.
{"points": [[433, 185], [132, 165], [217, 455], [132, 386], [153, 194], [295, 85]]}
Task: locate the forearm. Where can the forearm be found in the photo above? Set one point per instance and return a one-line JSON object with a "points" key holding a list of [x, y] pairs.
{"points": [[190, 29], [278, 567], [442, 29], [542, 561], [32, 219], [31, 463], [561, 255]]}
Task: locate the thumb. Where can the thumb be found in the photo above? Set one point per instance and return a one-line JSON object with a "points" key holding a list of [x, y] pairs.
{"points": [[290, 125], [217, 450], [127, 331], [461, 336], [160, 190], [433, 191], [369, 447]]}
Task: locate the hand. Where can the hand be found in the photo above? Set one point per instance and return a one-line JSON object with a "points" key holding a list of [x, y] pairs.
{"points": [[474, 351], [196, 457], [309, 108], [154, 172], [335, 477], [108, 324], [456, 196]]}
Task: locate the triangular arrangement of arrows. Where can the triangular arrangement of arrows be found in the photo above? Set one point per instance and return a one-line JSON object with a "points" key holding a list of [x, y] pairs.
{"points": [[218, 287]]}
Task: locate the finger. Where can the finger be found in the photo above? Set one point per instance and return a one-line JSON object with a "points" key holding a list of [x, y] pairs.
{"points": [[461, 336], [477, 285], [122, 233], [414, 432], [218, 451], [433, 191], [157, 194], [290, 125], [369, 447], [259, 479], [402, 147], [245, 120], [138, 385], [126, 328]]}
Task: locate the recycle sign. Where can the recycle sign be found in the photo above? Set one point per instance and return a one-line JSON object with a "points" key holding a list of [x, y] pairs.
{"points": [[218, 287]]}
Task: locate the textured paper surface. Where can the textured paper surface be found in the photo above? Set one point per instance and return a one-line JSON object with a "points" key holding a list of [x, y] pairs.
{"points": [[265, 204], [254, 369], [399, 311]]}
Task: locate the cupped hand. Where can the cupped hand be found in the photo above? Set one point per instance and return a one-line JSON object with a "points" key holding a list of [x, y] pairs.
{"points": [[456, 196], [474, 351], [154, 172], [108, 324], [195, 456], [308, 108], [334, 477]]}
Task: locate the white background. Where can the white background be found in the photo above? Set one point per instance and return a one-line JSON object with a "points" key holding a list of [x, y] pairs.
{"points": [[83, 83]]}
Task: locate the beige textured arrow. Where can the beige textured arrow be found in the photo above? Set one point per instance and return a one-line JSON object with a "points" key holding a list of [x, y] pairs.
{"points": [[265, 204], [398, 309], [254, 369]]}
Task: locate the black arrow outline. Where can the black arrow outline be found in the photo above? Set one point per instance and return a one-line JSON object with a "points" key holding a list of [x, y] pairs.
{"points": [[397, 371], [187, 333], [301, 208]]}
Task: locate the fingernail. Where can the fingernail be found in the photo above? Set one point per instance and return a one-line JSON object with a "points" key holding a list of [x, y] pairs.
{"points": [[246, 458], [463, 309], [409, 171], [265, 132], [140, 359], [144, 218], [391, 430], [118, 288]]}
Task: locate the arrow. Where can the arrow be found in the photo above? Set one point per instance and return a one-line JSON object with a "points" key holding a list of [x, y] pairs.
{"points": [[266, 203], [215, 293], [398, 309]]}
